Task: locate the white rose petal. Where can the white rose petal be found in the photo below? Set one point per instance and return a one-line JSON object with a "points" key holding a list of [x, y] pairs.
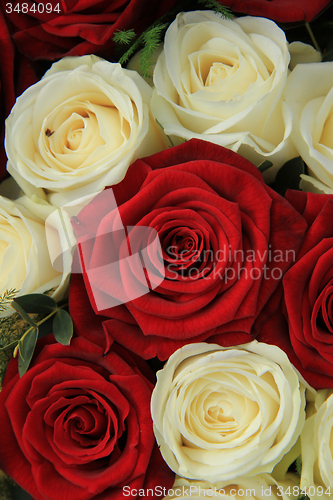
{"points": [[317, 449], [301, 53], [309, 96], [220, 413], [24, 258], [79, 128], [222, 80]]}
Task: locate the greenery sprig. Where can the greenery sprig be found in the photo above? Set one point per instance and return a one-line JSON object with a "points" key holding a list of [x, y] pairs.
{"points": [[43, 315], [217, 7], [6, 298], [151, 41], [153, 35], [124, 37]]}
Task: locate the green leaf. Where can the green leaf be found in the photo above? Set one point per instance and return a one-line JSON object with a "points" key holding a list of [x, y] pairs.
{"points": [[23, 313], [21, 349], [36, 303], [288, 177], [46, 327], [63, 327], [29, 343], [265, 165], [19, 494]]}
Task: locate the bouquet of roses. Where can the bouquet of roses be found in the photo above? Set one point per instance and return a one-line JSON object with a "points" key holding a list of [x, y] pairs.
{"points": [[166, 249]]}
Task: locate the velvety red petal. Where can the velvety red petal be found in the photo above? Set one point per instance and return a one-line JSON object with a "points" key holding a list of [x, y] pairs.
{"points": [[284, 11]]}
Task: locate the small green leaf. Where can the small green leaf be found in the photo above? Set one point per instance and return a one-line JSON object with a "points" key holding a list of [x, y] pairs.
{"points": [[265, 165], [21, 349], [288, 177], [46, 327], [36, 303], [63, 327], [18, 493], [23, 313], [28, 344]]}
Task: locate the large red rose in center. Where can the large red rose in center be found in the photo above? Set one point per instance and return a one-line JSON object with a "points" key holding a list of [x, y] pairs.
{"points": [[226, 239]]}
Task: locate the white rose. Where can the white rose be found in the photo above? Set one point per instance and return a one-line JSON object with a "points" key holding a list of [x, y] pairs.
{"points": [[24, 258], [221, 413], [309, 95], [301, 53], [79, 128], [221, 80], [317, 449], [261, 487]]}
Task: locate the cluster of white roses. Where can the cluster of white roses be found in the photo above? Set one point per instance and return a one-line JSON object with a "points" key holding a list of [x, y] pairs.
{"points": [[229, 422], [225, 81], [229, 82], [67, 137]]}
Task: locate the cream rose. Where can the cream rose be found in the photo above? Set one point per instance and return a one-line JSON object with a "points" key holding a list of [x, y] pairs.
{"points": [[309, 95], [221, 413], [261, 487], [24, 258], [79, 128], [317, 449], [221, 80]]}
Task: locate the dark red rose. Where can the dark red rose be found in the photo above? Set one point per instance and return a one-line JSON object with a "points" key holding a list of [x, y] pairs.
{"points": [[220, 228], [283, 11], [11, 84], [77, 425], [7, 93], [82, 26], [302, 310]]}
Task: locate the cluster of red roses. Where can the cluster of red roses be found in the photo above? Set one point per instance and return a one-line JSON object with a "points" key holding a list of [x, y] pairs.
{"points": [[77, 425]]}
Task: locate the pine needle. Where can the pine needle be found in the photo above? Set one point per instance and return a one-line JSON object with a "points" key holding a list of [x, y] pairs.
{"points": [[7, 298], [124, 37], [151, 40], [216, 7]]}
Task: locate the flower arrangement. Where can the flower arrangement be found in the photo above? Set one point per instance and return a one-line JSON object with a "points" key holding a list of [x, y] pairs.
{"points": [[166, 249]]}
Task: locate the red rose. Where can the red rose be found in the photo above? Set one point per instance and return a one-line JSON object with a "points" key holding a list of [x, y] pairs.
{"points": [[7, 94], [77, 425], [81, 27], [303, 321], [283, 11], [8, 90], [220, 228]]}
